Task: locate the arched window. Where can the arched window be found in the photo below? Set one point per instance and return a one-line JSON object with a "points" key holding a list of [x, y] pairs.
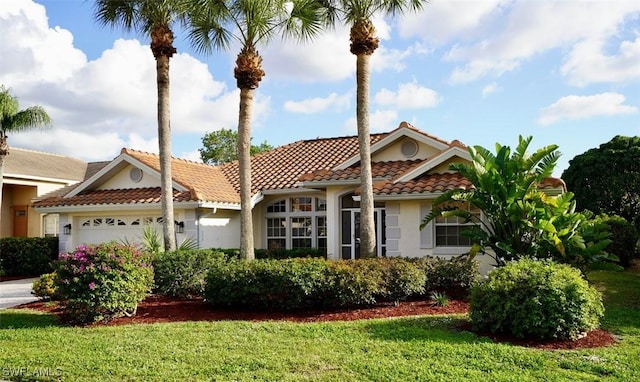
{"points": [[297, 222]]}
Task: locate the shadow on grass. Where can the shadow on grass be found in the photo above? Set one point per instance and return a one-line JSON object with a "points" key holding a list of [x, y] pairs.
{"points": [[434, 328], [25, 318]]}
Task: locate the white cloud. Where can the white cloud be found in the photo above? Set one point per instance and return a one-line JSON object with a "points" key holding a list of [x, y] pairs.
{"points": [[442, 21], [30, 46], [379, 121], [110, 102], [587, 63], [495, 37], [490, 89], [333, 102], [408, 96], [99, 146], [327, 57], [581, 107]]}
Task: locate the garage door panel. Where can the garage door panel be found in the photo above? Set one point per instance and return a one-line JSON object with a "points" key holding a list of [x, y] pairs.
{"points": [[100, 229]]}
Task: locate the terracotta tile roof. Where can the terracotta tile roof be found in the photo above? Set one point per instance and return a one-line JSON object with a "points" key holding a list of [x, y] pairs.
{"points": [[389, 169], [551, 182], [207, 183], [281, 168], [148, 195], [31, 163], [424, 184], [430, 183], [410, 126]]}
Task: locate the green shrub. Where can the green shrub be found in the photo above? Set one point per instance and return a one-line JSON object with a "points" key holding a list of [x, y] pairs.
{"points": [[536, 299], [266, 284], [454, 276], [624, 237], [290, 253], [353, 283], [401, 279], [102, 282], [183, 273], [28, 256], [309, 282], [44, 288]]}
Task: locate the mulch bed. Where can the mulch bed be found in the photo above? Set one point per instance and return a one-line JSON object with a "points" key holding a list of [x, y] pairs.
{"points": [[156, 309]]}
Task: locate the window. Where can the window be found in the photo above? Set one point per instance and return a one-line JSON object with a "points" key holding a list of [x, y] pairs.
{"points": [[297, 222], [301, 232], [449, 230], [280, 206], [276, 233], [51, 225], [300, 204], [321, 226]]}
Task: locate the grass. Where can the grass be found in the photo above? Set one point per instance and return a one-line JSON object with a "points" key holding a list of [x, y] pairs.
{"points": [[34, 347]]}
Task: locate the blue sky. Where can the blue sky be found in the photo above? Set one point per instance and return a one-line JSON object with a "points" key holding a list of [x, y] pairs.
{"points": [[484, 71]]}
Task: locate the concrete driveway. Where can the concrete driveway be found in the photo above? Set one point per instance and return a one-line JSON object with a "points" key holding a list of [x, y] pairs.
{"points": [[16, 292]]}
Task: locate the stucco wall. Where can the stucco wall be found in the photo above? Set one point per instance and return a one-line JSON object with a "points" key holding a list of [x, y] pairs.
{"points": [[405, 239], [123, 180]]}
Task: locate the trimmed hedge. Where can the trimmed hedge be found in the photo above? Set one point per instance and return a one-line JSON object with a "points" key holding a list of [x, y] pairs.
{"points": [[307, 282], [27, 256], [536, 299], [277, 253], [454, 276], [182, 273]]}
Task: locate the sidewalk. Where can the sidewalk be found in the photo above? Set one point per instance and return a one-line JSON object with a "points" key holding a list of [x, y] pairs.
{"points": [[16, 292]]}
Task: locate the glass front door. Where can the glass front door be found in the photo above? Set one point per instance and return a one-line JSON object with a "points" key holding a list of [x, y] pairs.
{"points": [[351, 233]]}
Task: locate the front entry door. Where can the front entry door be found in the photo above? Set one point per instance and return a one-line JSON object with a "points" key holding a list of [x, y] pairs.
{"points": [[351, 233], [20, 214]]}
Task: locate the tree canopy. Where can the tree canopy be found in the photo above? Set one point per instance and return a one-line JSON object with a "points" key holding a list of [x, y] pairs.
{"points": [[12, 119], [606, 180], [221, 146], [520, 220]]}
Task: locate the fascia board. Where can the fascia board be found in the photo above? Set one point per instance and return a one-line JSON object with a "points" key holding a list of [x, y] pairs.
{"points": [[390, 139], [403, 197], [112, 207], [353, 182], [220, 206], [33, 178], [434, 162], [117, 162]]}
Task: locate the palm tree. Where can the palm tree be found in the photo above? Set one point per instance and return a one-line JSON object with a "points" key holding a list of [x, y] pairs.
{"points": [[12, 119], [155, 18], [358, 14], [214, 25], [520, 220]]}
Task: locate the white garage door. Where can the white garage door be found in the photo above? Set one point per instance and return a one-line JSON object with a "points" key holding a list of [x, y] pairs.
{"points": [[100, 229]]}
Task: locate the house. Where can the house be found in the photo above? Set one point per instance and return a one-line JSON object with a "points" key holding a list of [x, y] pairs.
{"points": [[29, 174], [305, 195]]}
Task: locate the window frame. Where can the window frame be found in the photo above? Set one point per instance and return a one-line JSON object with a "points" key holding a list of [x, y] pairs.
{"points": [[294, 208], [458, 224]]}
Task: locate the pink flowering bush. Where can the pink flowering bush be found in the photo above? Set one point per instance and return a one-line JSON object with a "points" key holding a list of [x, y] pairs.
{"points": [[102, 282]]}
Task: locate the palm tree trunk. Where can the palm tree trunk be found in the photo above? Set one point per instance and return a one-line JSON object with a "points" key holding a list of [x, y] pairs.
{"points": [[164, 143], [367, 224], [244, 161]]}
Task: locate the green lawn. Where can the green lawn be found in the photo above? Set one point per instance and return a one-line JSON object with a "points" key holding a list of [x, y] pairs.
{"points": [[34, 346]]}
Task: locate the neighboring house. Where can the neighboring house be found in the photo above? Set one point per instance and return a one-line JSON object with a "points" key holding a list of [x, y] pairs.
{"points": [[27, 175], [305, 195]]}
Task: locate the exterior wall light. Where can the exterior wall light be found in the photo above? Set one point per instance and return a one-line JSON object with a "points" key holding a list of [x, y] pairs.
{"points": [[66, 229]]}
